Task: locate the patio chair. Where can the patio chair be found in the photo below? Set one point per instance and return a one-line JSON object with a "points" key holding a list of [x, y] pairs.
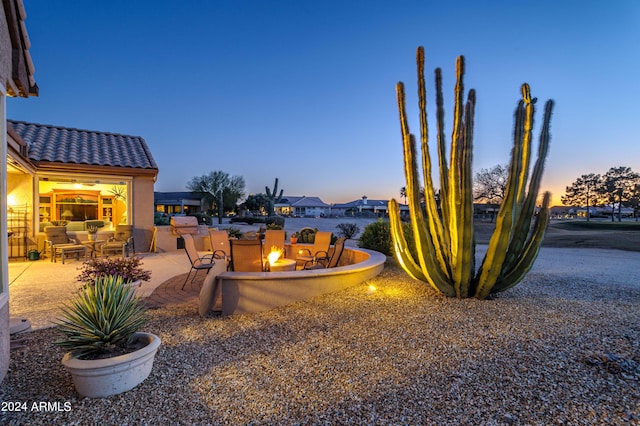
{"points": [[246, 256], [319, 250], [322, 263], [57, 242], [198, 262], [220, 244], [121, 243], [273, 238]]}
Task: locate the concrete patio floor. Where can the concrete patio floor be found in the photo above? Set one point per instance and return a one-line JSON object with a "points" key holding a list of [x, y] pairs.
{"points": [[37, 289]]}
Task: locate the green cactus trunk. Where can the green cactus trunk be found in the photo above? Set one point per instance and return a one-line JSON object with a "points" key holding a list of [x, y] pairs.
{"points": [[272, 198], [445, 239]]}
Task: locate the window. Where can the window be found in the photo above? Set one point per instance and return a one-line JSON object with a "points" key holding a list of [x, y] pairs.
{"points": [[83, 198]]}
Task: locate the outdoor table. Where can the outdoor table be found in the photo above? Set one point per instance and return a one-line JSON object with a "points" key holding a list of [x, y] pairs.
{"points": [[92, 245]]}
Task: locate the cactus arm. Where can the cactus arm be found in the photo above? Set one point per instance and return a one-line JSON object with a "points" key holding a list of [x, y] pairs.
{"points": [[442, 157], [465, 265], [454, 188], [438, 275], [434, 225], [525, 144], [433, 270], [400, 247], [530, 252], [524, 221], [491, 267]]}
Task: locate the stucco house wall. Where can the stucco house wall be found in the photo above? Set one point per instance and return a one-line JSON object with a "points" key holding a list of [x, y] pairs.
{"points": [[143, 211], [5, 74], [16, 79]]}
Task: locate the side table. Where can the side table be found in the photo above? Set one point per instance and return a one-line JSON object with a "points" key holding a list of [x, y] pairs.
{"points": [[92, 246]]}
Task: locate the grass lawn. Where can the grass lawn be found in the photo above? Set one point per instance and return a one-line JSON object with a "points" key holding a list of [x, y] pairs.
{"points": [[580, 234]]}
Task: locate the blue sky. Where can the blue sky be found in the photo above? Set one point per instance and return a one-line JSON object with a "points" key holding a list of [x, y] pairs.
{"points": [[305, 90]]}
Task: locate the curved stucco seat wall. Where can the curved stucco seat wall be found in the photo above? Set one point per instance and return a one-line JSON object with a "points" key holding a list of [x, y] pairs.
{"points": [[244, 292]]}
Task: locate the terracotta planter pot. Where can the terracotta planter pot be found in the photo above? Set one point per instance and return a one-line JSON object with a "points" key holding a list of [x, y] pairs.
{"points": [[104, 377]]}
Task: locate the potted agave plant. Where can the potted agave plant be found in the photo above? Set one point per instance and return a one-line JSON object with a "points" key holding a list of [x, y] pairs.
{"points": [[92, 230], [129, 268], [107, 355]]}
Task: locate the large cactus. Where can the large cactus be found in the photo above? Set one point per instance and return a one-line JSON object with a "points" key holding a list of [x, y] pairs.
{"points": [[272, 198], [444, 239]]}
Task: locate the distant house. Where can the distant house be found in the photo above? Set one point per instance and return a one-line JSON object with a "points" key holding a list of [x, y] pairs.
{"points": [[181, 202], [302, 206], [362, 207], [57, 173]]}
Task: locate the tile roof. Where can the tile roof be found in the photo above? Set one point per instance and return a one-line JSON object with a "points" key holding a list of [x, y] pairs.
{"points": [[360, 203], [74, 146], [304, 201]]}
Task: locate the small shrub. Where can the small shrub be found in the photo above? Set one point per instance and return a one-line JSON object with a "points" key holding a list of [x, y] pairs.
{"points": [[161, 219], [249, 220], [234, 233], [348, 230], [377, 236], [129, 268], [275, 220]]}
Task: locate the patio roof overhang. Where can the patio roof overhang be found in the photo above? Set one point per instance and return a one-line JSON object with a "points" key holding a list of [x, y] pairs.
{"points": [[22, 83], [55, 167]]}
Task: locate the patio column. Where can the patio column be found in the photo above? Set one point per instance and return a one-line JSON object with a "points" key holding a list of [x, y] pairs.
{"points": [[4, 260]]}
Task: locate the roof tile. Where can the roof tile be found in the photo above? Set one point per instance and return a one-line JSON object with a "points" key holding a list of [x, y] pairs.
{"points": [[75, 146]]}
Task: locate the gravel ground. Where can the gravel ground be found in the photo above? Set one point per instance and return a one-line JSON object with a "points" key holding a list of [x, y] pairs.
{"points": [[561, 348]]}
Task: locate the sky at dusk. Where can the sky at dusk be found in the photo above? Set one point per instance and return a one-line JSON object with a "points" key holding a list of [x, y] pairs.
{"points": [[305, 90]]}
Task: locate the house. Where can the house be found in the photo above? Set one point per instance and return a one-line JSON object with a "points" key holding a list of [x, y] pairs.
{"points": [[16, 80], [66, 174], [362, 207], [302, 206], [181, 202]]}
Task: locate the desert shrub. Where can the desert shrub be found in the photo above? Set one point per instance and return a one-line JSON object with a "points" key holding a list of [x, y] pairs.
{"points": [[249, 220], [377, 236], [161, 219], [348, 230], [234, 232], [275, 220], [129, 268]]}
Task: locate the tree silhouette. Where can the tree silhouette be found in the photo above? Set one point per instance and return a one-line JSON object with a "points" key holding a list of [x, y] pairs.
{"points": [[619, 185], [585, 190]]}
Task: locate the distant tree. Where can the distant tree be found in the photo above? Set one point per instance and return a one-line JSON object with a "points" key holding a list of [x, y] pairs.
{"points": [[585, 191], [634, 201], [403, 193], [257, 202], [618, 186], [490, 185], [223, 191]]}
